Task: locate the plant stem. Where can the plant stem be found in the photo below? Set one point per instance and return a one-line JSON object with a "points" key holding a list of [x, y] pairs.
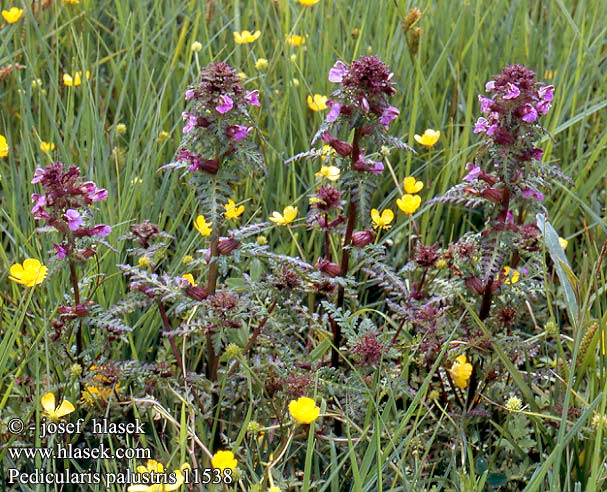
{"points": [[345, 254], [212, 359], [74, 280]]}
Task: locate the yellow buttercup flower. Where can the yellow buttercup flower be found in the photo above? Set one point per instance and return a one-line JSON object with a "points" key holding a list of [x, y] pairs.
{"points": [[408, 203], [202, 226], [460, 372], [429, 138], [308, 3], [412, 186], [54, 412], [223, 460], [232, 211], [12, 15], [76, 79], [190, 279], [295, 40], [31, 273], [382, 221], [331, 173], [261, 64], [245, 37], [304, 410], [327, 152], [563, 242], [47, 147], [153, 466], [317, 102], [3, 146], [511, 275], [286, 217]]}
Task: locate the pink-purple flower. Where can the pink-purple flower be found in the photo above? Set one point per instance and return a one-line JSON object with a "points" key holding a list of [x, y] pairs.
{"points": [[252, 98], [389, 114], [337, 72], [73, 219], [238, 132], [226, 105]]}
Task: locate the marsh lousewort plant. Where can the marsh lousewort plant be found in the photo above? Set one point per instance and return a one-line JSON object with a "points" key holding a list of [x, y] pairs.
{"points": [[66, 205], [360, 106]]}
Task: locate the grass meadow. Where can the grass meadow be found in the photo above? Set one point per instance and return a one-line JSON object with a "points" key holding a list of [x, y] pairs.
{"points": [[416, 373]]}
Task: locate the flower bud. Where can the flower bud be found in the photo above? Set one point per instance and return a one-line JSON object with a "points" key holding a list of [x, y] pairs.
{"points": [[361, 238], [332, 269], [226, 245], [197, 293]]}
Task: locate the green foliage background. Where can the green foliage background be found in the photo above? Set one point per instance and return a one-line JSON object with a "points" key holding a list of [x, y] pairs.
{"points": [[139, 55]]}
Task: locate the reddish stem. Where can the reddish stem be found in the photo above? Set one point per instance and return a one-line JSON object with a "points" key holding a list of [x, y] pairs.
{"points": [[345, 254]]}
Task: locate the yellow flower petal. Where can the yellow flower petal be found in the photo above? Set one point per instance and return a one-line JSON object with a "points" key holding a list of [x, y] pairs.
{"points": [[3, 146], [65, 408], [317, 102], [223, 460], [12, 15], [409, 204], [288, 215], [48, 402], [245, 37], [295, 40], [202, 226], [304, 410], [412, 186], [429, 138]]}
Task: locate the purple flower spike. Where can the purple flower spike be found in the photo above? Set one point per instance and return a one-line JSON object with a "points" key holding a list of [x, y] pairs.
{"points": [[238, 132], [529, 113], [474, 173], [513, 91], [537, 154], [532, 194], [226, 104], [252, 98], [337, 73], [191, 121], [377, 168], [334, 111], [546, 93], [389, 114], [543, 107], [73, 219], [101, 230], [61, 251], [38, 175], [481, 125], [486, 104]]}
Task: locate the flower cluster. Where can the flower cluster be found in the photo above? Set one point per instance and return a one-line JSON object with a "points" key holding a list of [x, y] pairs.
{"points": [[65, 203], [510, 114], [365, 86], [218, 106]]}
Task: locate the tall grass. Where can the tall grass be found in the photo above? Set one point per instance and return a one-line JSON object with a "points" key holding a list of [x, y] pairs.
{"points": [[139, 56]]}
